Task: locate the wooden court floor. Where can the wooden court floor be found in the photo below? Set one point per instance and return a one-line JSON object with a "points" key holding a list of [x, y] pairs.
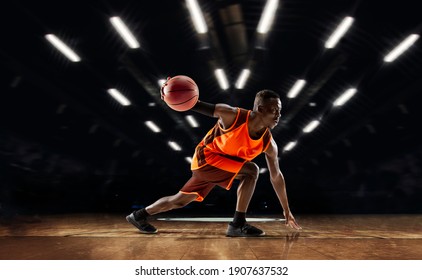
{"points": [[110, 237]]}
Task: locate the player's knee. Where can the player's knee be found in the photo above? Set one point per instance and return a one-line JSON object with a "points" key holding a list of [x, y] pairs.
{"points": [[253, 170]]}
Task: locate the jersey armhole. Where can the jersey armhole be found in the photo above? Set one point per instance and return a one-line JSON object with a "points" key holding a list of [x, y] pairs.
{"points": [[233, 124], [269, 142]]}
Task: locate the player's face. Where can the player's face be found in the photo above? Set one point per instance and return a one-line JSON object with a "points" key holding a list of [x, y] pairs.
{"points": [[271, 112]]}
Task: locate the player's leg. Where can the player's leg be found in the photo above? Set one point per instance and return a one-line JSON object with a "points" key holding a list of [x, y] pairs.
{"points": [[248, 177], [167, 203], [139, 218], [194, 189]]}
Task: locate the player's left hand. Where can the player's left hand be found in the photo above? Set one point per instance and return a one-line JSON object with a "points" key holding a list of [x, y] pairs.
{"points": [[162, 88], [291, 222]]}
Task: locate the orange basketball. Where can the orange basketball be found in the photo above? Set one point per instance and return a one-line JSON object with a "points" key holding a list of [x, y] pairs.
{"points": [[180, 93]]}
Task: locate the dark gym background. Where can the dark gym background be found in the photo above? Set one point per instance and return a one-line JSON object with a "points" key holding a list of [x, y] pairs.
{"points": [[66, 146]]}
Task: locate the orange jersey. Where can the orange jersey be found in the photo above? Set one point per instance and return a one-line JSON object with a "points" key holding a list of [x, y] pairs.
{"points": [[228, 149]]}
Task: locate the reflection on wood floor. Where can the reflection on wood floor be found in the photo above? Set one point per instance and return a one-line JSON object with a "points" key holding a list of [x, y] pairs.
{"points": [[110, 237]]}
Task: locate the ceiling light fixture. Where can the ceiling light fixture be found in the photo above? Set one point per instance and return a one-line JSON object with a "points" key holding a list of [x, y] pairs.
{"points": [[263, 170], [243, 77], [344, 97], [174, 146], [197, 16], [151, 125], [267, 17], [119, 97], [401, 48], [290, 146], [222, 79], [124, 32], [311, 126], [297, 87], [62, 47], [192, 121], [339, 32]]}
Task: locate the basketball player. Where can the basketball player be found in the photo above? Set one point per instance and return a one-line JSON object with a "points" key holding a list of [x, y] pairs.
{"points": [[225, 154]]}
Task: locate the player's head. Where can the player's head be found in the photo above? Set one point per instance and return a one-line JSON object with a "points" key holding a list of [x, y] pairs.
{"points": [[262, 97], [268, 103]]}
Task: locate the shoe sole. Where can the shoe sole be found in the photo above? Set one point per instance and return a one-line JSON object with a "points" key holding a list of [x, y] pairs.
{"points": [[134, 223], [245, 235]]}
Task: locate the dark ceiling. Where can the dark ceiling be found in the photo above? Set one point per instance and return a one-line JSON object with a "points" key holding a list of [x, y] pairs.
{"points": [[62, 134]]}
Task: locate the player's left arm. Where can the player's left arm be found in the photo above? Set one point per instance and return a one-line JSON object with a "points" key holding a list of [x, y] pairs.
{"points": [[205, 108], [279, 184]]}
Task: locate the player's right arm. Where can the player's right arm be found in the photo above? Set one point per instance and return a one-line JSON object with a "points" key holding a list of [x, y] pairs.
{"points": [[225, 113]]}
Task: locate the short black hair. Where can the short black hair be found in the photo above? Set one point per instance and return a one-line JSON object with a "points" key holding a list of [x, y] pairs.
{"points": [[267, 93], [263, 95]]}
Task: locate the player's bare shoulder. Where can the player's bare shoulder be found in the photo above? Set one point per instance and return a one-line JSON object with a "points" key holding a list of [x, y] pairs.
{"points": [[226, 114]]}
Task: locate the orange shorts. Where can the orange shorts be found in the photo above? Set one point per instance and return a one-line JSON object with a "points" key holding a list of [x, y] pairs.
{"points": [[205, 178]]}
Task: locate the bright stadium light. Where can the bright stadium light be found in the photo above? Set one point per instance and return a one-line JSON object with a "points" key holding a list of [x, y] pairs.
{"points": [[243, 77], [344, 97], [119, 97], [151, 125], [267, 16], [339, 32], [174, 146], [124, 32], [192, 121], [62, 47], [297, 87], [197, 16], [311, 126], [221, 78], [401, 48], [290, 146]]}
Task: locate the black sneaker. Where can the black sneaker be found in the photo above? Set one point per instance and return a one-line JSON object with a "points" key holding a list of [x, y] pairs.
{"points": [[142, 225], [244, 231]]}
